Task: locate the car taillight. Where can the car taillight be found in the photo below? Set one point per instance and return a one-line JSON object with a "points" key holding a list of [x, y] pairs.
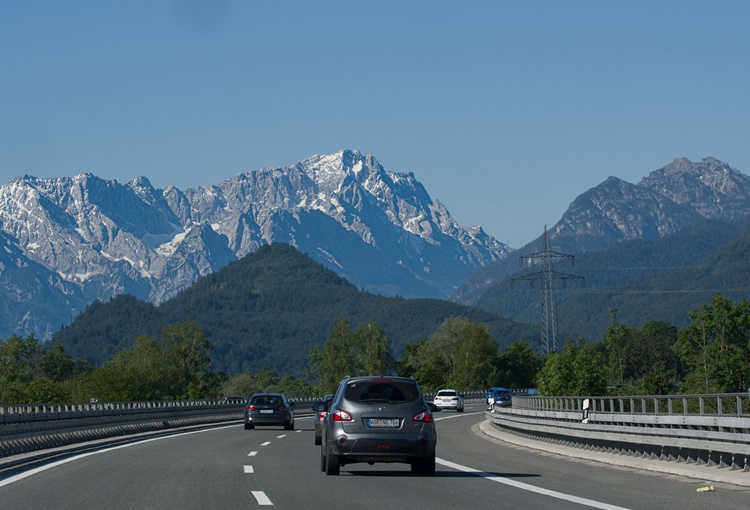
{"points": [[250, 408], [424, 416], [322, 415], [341, 415], [281, 408]]}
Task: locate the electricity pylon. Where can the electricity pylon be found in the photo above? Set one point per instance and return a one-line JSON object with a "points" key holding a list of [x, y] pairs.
{"points": [[548, 276]]}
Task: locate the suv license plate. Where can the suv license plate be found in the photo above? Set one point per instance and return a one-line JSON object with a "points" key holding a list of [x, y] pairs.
{"points": [[383, 422], [266, 411]]}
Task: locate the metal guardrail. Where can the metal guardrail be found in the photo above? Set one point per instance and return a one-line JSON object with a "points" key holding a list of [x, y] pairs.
{"points": [[33, 427], [706, 429], [710, 429]]}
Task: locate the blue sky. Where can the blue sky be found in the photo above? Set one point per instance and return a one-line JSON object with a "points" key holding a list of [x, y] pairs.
{"points": [[505, 111]]}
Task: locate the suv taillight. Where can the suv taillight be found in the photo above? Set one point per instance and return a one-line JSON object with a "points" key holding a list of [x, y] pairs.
{"points": [[424, 416], [341, 415], [250, 408]]}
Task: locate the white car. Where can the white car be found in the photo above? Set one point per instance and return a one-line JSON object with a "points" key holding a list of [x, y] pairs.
{"points": [[449, 399]]}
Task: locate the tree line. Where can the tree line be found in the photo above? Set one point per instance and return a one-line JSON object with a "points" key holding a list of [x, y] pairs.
{"points": [[710, 355]]}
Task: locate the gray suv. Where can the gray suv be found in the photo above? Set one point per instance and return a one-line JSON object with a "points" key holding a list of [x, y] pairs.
{"points": [[378, 419]]}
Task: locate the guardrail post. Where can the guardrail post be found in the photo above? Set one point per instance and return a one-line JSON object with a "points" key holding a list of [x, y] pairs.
{"points": [[739, 461]]}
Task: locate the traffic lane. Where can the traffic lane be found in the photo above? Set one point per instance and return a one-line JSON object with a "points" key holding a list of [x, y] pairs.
{"points": [[585, 479], [186, 471], [234, 468], [300, 483], [231, 467]]}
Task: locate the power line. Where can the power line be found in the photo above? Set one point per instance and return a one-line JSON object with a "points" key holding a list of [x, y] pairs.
{"points": [[548, 276]]}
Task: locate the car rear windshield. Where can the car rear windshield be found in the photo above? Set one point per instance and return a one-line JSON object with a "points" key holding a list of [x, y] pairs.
{"points": [[447, 393], [269, 400], [382, 391]]}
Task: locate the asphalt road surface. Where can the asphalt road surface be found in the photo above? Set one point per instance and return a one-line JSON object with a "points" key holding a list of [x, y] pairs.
{"points": [[231, 468]]}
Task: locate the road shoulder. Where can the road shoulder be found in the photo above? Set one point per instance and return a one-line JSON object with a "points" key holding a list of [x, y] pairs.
{"points": [[695, 472]]}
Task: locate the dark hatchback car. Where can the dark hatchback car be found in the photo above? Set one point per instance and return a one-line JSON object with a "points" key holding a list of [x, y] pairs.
{"points": [[320, 416], [378, 419], [269, 409]]}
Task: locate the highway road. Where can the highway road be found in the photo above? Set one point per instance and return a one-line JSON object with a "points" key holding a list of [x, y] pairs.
{"points": [[231, 468]]}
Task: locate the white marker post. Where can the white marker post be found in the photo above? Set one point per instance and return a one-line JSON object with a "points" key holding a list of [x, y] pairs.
{"points": [[585, 411]]}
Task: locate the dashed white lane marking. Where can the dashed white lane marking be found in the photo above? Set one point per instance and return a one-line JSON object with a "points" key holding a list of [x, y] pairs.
{"points": [[249, 469], [261, 498], [457, 415], [530, 488], [266, 443], [252, 454], [282, 435]]}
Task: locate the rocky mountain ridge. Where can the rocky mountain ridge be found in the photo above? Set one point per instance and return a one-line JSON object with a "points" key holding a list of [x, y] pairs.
{"points": [[666, 201], [84, 238]]}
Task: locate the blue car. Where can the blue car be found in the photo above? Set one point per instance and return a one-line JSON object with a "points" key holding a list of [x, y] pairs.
{"points": [[501, 398], [492, 391]]}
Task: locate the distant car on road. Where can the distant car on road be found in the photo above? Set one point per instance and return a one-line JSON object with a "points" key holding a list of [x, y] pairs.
{"points": [[500, 399], [269, 409], [320, 416], [449, 399], [491, 392]]}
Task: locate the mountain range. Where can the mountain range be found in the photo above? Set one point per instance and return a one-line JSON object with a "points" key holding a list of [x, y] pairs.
{"points": [[655, 250], [71, 241]]}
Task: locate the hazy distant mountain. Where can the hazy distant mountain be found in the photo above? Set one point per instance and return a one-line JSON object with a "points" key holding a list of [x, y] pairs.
{"points": [[653, 251], [644, 279], [663, 203], [84, 238]]}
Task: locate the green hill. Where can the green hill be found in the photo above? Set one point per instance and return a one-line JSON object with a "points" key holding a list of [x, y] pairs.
{"points": [[267, 310], [644, 280]]}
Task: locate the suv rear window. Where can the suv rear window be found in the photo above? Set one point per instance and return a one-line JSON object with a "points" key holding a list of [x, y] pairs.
{"points": [[382, 391], [447, 393]]}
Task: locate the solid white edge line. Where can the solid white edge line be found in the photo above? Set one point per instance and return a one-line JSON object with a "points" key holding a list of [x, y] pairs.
{"points": [[261, 498], [45, 467], [530, 488]]}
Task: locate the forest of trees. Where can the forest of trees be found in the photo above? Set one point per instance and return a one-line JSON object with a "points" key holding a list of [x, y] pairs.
{"points": [[710, 355]]}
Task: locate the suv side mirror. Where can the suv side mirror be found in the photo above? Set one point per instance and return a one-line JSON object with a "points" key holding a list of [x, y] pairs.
{"points": [[319, 406]]}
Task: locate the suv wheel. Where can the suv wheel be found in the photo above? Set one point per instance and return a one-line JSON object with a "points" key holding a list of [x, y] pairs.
{"points": [[333, 464], [322, 460]]}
